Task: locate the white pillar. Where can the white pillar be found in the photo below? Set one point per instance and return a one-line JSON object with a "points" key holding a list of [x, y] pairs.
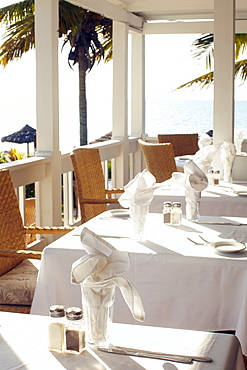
{"points": [[224, 59], [137, 95], [120, 99], [138, 85], [46, 40]]}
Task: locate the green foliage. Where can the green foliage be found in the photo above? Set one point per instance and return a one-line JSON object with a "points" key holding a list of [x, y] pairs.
{"points": [[12, 155], [204, 48], [3, 158]]}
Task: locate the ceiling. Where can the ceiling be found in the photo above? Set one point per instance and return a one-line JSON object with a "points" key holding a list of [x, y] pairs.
{"points": [[160, 10]]}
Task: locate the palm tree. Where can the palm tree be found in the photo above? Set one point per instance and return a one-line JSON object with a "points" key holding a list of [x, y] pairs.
{"points": [[204, 47], [89, 35]]}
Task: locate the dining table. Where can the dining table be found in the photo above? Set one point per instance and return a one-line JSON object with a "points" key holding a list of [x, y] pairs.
{"points": [[228, 199], [183, 282], [24, 345]]}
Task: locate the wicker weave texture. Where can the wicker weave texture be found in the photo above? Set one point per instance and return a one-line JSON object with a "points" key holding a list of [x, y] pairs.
{"points": [[159, 159], [183, 144], [90, 181], [12, 234], [15, 308]]}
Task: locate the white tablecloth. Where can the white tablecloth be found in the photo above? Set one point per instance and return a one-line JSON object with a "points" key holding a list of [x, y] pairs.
{"points": [[215, 201], [24, 345], [181, 285]]}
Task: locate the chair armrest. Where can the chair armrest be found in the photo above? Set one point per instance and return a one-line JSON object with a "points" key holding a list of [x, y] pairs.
{"points": [[24, 254], [48, 229], [114, 191], [99, 201]]}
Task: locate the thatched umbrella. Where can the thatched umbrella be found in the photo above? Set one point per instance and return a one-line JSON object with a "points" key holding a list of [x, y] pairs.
{"points": [[25, 135]]}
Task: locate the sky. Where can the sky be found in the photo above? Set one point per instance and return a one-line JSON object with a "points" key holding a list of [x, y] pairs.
{"points": [[169, 63]]}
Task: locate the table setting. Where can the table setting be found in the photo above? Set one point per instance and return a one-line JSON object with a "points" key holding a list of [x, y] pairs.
{"points": [[23, 344], [187, 276]]}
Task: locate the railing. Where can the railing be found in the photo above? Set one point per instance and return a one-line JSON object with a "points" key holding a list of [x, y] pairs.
{"points": [[34, 171]]}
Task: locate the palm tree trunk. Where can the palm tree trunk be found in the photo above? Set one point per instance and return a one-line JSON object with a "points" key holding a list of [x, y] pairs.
{"points": [[82, 61]]}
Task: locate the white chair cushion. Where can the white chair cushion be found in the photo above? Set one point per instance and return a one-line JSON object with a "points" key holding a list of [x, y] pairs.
{"points": [[17, 286]]}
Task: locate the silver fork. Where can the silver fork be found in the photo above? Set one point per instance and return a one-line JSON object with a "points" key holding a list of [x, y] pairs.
{"points": [[205, 242]]}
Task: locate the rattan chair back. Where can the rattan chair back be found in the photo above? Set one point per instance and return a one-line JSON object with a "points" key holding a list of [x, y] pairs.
{"points": [[183, 144], [90, 181], [12, 235], [159, 159]]}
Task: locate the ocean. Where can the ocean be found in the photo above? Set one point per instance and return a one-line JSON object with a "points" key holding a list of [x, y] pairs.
{"points": [[162, 116], [187, 116]]}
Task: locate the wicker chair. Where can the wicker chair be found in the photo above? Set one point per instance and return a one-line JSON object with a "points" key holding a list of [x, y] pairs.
{"points": [[183, 144], [90, 183], [159, 159], [30, 219], [18, 266]]}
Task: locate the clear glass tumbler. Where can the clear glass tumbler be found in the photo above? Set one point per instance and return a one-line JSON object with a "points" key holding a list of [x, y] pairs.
{"points": [[98, 306], [192, 200], [138, 215]]}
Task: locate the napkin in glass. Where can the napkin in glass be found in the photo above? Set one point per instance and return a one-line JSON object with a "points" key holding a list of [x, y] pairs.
{"points": [[238, 139], [137, 196], [204, 156], [193, 181], [204, 140], [101, 267], [139, 191], [227, 155]]}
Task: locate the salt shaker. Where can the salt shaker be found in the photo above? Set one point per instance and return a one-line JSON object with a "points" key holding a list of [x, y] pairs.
{"points": [[167, 213], [56, 328], [74, 331], [216, 177], [176, 215], [210, 177]]}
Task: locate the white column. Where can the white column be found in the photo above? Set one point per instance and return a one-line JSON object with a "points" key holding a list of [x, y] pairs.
{"points": [[46, 40], [120, 99], [138, 85], [137, 95], [224, 58]]}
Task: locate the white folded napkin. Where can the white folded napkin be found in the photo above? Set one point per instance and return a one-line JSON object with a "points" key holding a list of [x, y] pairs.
{"points": [[227, 155], [204, 156], [140, 190], [102, 265], [193, 181], [193, 177], [238, 139], [204, 140]]}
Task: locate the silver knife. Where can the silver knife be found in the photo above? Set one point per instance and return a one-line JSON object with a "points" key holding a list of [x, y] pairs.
{"points": [[156, 355], [220, 223]]}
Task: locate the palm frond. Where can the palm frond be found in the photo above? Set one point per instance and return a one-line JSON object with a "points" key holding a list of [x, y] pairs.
{"points": [[15, 12], [208, 78], [241, 69], [204, 80], [241, 44], [203, 47], [19, 39]]}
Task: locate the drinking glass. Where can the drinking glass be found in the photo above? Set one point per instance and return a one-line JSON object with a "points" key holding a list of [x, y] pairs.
{"points": [[138, 215]]}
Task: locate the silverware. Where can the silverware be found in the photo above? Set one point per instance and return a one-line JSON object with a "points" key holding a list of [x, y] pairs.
{"points": [[196, 243], [157, 355], [221, 223]]}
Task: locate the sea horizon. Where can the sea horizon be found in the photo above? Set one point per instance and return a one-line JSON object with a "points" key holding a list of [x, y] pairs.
{"points": [[162, 116]]}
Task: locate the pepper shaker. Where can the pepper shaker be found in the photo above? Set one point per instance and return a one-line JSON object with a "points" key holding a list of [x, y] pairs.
{"points": [[167, 213], [216, 177], [74, 331]]}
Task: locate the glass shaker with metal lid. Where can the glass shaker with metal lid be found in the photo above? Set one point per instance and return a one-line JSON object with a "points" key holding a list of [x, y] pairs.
{"points": [[176, 216], [167, 210], [56, 328], [74, 331]]}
